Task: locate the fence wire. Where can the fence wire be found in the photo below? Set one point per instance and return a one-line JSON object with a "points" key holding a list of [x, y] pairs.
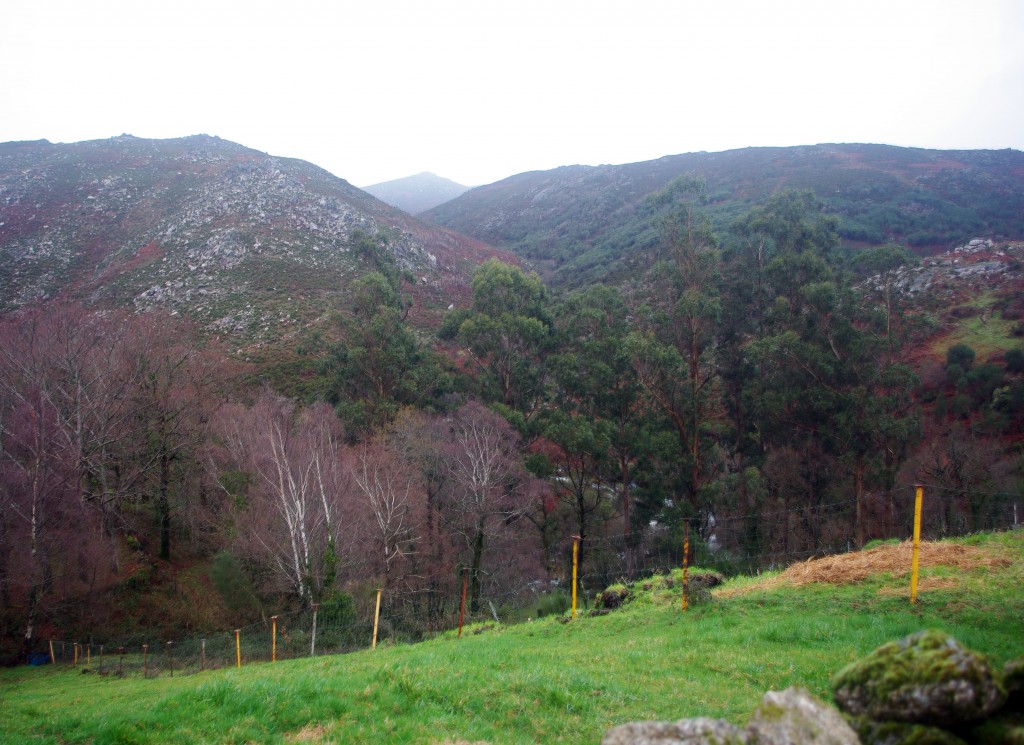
{"points": [[729, 543]]}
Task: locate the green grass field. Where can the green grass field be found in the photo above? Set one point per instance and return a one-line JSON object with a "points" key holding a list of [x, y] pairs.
{"points": [[542, 681]]}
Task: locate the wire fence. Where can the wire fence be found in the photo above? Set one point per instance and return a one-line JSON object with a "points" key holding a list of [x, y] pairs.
{"points": [[728, 543]]}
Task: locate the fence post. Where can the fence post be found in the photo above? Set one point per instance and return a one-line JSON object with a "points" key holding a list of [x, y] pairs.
{"points": [[273, 639], [918, 498], [145, 660], [101, 658], [575, 568], [202, 656], [686, 560], [312, 637], [376, 618], [88, 658], [462, 606], [120, 662], [53, 660], [238, 648], [170, 657], [75, 663]]}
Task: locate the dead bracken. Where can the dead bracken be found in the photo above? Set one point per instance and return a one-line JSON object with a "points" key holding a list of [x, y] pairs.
{"points": [[845, 569]]}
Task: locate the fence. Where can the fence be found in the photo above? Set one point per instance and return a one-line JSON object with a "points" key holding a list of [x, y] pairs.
{"points": [[729, 543]]}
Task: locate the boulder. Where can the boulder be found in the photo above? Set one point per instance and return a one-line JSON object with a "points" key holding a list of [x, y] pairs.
{"points": [[795, 717], [1006, 729], [901, 733], [926, 678], [1013, 681], [700, 731]]}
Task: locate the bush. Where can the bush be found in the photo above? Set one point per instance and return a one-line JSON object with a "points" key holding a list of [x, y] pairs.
{"points": [[960, 356], [1014, 360], [553, 604]]}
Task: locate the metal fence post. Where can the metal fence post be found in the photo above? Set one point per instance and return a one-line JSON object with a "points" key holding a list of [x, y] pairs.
{"points": [[918, 498]]}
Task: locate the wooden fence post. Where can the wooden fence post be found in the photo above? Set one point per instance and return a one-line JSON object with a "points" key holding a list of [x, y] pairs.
{"points": [[376, 618], [462, 606]]}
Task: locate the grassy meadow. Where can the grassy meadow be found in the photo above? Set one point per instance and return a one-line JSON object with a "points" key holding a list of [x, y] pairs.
{"points": [[548, 680]]}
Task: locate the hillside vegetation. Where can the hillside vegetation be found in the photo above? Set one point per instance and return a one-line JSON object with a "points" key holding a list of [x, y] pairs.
{"points": [[581, 224], [253, 247], [555, 680]]}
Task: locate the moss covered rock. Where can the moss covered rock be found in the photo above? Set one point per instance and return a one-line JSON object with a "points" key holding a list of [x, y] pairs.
{"points": [[795, 716], [1013, 680], [1006, 729], [700, 731], [901, 733], [926, 678]]}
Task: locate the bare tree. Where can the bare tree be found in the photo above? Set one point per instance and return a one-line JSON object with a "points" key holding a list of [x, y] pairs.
{"points": [[487, 471], [390, 493], [293, 521]]}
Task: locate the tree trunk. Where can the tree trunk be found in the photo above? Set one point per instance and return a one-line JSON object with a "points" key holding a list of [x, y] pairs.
{"points": [[164, 506], [474, 572]]}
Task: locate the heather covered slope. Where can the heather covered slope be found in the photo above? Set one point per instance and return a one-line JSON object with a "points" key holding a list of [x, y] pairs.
{"points": [[581, 224], [245, 243]]}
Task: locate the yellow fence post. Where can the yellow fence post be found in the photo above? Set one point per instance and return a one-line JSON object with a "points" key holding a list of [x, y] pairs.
{"points": [[575, 569], [273, 639], [918, 498], [53, 660], [75, 663], [238, 648], [88, 657], [376, 619], [686, 558]]}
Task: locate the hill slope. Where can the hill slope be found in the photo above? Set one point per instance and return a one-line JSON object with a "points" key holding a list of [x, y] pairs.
{"points": [[548, 680], [418, 193], [581, 223], [245, 243]]}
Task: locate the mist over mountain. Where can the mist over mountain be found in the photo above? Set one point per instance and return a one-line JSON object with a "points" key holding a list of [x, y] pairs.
{"points": [[580, 224], [416, 194], [244, 243]]}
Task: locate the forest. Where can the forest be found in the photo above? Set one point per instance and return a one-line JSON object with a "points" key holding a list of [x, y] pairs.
{"points": [[763, 387]]}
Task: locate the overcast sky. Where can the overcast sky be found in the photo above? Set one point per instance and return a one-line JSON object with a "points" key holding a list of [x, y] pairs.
{"points": [[475, 90]]}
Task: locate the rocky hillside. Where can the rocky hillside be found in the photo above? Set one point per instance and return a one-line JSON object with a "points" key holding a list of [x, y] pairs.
{"points": [[418, 193], [246, 244], [581, 224]]}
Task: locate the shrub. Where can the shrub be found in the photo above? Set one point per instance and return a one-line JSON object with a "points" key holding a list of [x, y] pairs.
{"points": [[553, 604]]}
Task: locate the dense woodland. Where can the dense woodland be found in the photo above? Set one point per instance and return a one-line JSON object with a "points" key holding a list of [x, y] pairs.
{"points": [[761, 373]]}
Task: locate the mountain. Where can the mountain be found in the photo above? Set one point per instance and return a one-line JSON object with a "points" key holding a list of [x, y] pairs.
{"points": [[244, 243], [418, 193], [580, 224]]}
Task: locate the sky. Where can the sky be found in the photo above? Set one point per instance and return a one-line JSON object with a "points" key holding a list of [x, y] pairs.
{"points": [[475, 90]]}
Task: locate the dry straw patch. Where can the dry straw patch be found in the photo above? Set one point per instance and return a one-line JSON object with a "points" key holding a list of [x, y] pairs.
{"points": [[845, 569], [314, 733]]}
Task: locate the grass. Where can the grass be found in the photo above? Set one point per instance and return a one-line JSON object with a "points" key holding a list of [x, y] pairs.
{"points": [[989, 338], [543, 681]]}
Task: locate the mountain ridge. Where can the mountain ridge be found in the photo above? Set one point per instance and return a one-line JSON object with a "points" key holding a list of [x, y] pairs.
{"points": [[243, 242], [417, 193], [580, 224]]}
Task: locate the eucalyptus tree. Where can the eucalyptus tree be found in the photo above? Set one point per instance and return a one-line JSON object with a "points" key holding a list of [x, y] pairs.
{"points": [[507, 331], [678, 310], [596, 389]]}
